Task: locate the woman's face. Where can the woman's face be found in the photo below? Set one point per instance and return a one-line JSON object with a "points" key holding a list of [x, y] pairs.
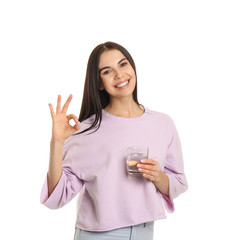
{"points": [[115, 69]]}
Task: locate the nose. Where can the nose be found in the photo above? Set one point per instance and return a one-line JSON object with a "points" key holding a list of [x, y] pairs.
{"points": [[118, 74]]}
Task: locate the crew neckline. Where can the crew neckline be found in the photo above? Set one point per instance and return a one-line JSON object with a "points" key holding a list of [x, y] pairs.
{"points": [[109, 115]]}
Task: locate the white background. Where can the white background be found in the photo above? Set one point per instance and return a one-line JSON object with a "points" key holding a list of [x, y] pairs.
{"points": [[180, 54]]}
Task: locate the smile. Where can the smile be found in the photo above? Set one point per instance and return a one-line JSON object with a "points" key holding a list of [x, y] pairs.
{"points": [[122, 84]]}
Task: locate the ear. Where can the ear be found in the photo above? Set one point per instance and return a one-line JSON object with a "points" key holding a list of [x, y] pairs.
{"points": [[101, 87]]}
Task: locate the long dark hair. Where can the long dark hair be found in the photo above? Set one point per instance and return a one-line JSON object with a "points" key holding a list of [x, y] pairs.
{"points": [[94, 99]]}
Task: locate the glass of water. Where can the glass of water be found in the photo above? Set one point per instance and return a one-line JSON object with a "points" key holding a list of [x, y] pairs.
{"points": [[134, 155]]}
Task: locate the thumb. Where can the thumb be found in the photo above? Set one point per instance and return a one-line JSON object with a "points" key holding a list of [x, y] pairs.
{"points": [[77, 123]]}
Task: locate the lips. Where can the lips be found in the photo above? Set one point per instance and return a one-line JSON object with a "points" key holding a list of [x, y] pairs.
{"points": [[122, 82]]}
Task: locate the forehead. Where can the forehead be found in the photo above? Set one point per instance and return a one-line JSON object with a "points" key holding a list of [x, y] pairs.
{"points": [[110, 57]]}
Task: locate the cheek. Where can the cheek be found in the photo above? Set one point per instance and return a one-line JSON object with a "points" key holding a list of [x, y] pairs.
{"points": [[134, 79], [107, 81], [131, 72]]}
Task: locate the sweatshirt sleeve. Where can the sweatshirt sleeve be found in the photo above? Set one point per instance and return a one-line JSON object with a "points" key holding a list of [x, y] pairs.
{"points": [[174, 169], [68, 186]]}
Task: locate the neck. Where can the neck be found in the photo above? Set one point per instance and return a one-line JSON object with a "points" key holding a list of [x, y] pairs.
{"points": [[127, 109]]}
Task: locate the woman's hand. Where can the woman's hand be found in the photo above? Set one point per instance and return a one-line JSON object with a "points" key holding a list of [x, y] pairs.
{"points": [[61, 128], [150, 169]]}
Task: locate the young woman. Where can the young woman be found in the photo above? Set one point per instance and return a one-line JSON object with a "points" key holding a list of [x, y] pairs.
{"points": [[89, 158]]}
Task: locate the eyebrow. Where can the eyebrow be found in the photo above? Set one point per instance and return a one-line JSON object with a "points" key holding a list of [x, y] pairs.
{"points": [[109, 67]]}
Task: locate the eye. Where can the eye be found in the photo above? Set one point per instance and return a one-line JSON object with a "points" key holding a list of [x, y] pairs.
{"points": [[106, 72], [123, 64]]}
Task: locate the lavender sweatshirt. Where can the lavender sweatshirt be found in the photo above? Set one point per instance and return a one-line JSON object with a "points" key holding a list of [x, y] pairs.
{"points": [[94, 166]]}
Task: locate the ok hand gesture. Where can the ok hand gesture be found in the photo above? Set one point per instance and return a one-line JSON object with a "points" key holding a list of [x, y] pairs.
{"points": [[61, 128]]}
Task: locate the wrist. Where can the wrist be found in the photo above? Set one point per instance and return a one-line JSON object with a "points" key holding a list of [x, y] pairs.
{"points": [[55, 141], [159, 178], [162, 183]]}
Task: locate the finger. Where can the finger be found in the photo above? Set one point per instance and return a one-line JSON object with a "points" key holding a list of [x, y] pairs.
{"points": [[51, 110], [149, 161], [147, 166], [149, 177], [72, 116], [151, 173], [77, 125], [65, 107], [58, 104]]}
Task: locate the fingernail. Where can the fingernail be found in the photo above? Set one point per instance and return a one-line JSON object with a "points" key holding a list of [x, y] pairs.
{"points": [[142, 160]]}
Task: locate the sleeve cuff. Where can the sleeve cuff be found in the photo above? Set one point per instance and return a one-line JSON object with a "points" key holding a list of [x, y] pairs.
{"points": [[168, 200], [53, 200]]}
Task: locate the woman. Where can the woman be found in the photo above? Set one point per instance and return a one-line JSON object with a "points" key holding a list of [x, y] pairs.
{"points": [[113, 204]]}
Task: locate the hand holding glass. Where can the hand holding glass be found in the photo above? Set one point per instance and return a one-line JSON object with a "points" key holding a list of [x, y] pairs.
{"points": [[134, 155]]}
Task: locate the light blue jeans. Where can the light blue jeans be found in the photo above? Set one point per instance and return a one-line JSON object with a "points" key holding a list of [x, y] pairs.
{"points": [[142, 231]]}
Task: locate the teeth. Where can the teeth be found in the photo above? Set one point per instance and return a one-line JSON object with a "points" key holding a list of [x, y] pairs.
{"points": [[122, 84]]}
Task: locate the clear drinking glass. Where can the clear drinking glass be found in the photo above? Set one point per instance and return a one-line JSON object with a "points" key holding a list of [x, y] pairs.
{"points": [[134, 155]]}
